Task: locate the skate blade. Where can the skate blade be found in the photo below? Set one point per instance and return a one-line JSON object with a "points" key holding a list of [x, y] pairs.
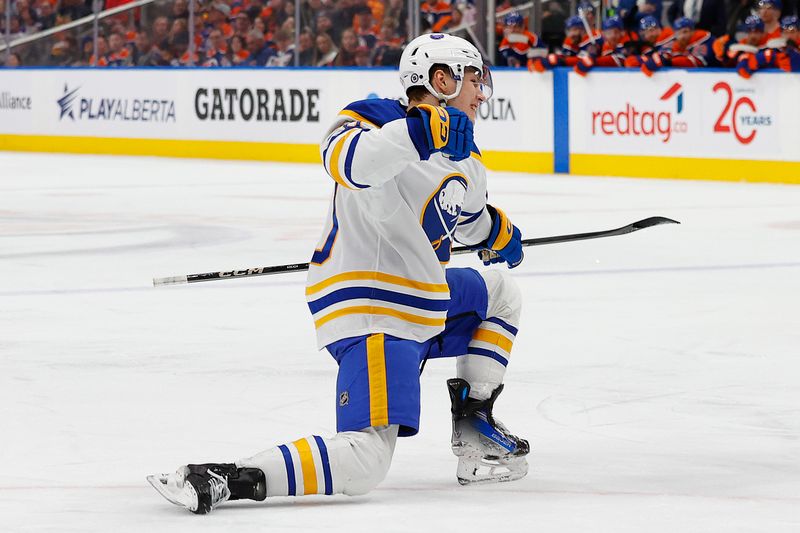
{"points": [[484, 472], [185, 497]]}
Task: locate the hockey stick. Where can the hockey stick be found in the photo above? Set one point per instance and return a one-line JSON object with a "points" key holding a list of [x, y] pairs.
{"points": [[297, 267]]}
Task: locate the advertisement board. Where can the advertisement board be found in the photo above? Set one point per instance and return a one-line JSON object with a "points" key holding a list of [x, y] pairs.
{"points": [[683, 123], [263, 114]]}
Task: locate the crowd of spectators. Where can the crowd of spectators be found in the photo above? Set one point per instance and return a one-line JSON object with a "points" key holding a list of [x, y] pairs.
{"points": [[229, 33]]}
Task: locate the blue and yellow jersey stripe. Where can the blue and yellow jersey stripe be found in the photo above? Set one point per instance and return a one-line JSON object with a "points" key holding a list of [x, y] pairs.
{"points": [[378, 294]]}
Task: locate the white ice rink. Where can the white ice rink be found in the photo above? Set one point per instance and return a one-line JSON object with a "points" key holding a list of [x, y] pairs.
{"points": [[656, 374]]}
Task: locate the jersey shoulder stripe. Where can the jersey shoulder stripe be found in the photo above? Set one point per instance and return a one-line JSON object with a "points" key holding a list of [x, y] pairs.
{"points": [[375, 111]]}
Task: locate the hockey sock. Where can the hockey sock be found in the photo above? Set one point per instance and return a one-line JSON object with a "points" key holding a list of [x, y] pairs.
{"points": [[351, 462]]}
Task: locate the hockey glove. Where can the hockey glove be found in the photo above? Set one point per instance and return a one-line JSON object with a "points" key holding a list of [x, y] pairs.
{"points": [[440, 129], [653, 64], [504, 242], [584, 65]]}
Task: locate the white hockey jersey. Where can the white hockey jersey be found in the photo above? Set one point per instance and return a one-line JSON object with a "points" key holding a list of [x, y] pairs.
{"points": [[379, 265]]}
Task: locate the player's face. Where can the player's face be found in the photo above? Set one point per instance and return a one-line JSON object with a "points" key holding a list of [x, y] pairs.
{"points": [[683, 35], [471, 95], [768, 13], [651, 34], [612, 36], [755, 37], [575, 34], [792, 34]]}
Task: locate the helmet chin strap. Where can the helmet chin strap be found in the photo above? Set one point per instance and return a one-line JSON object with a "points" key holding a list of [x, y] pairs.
{"points": [[443, 98]]}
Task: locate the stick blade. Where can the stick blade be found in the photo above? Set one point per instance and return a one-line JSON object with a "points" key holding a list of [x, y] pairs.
{"points": [[653, 221]]}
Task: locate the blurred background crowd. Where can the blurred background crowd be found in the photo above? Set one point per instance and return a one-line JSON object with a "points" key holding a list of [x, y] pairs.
{"points": [[537, 35]]}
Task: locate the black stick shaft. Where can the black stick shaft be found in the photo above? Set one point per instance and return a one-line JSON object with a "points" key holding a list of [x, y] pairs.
{"points": [[296, 267]]}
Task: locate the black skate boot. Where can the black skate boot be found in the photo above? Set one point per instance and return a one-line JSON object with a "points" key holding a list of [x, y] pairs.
{"points": [[486, 450], [201, 488]]}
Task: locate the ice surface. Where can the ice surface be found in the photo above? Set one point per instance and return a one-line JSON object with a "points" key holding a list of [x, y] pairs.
{"points": [[656, 374]]}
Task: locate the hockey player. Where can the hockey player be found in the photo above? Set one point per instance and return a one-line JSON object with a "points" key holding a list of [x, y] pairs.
{"points": [[519, 45], [652, 39], [614, 52], [780, 53], [408, 182], [728, 54], [770, 12], [689, 48], [578, 48]]}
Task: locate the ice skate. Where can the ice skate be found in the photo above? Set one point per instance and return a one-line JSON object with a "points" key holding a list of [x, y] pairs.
{"points": [[201, 488], [487, 452]]}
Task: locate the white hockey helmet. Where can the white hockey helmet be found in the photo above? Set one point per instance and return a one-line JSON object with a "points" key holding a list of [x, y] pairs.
{"points": [[442, 49]]}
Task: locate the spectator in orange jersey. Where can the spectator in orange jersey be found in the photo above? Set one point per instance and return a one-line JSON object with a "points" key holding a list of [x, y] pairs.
{"points": [[780, 53], [365, 26], [433, 10], [652, 38], [770, 13], [518, 44], [689, 49], [728, 54], [388, 42], [118, 54]]}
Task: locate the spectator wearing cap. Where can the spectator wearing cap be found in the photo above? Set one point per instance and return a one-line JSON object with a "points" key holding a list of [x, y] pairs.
{"points": [[770, 13], [258, 52], [519, 45], [728, 53], [781, 52], [284, 53], [709, 15], [326, 50], [218, 15]]}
